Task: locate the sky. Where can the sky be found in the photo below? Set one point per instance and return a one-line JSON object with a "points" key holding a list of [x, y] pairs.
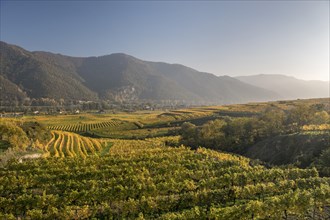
{"points": [[221, 37]]}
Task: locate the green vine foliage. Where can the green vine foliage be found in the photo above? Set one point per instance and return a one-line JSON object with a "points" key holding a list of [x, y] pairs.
{"points": [[148, 180]]}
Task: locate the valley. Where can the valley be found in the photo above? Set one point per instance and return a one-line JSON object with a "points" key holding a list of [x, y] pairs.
{"points": [[164, 110]]}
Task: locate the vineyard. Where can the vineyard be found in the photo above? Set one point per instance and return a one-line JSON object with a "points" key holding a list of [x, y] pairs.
{"points": [[186, 114], [147, 180], [140, 165], [85, 127], [322, 127], [66, 144]]}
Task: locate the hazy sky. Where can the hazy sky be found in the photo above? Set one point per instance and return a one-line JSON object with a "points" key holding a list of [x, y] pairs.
{"points": [[221, 37]]}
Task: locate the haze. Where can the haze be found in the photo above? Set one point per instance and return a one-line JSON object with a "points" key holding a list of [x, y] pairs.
{"points": [[224, 38]]}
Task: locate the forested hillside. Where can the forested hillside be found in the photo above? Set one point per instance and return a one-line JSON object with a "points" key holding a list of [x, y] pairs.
{"points": [[123, 78], [39, 76], [115, 77]]}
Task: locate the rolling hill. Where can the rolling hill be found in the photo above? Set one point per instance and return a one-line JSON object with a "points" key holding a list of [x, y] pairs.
{"points": [[117, 77]]}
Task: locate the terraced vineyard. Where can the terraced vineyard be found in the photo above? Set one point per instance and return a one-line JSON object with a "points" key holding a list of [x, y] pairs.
{"points": [[186, 114], [148, 180], [129, 175], [66, 144], [322, 127], [85, 127]]}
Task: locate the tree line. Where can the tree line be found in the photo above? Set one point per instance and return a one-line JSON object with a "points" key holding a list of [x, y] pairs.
{"points": [[234, 134]]}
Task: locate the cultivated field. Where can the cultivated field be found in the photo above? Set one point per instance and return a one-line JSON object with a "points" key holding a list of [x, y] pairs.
{"points": [[67, 144]]}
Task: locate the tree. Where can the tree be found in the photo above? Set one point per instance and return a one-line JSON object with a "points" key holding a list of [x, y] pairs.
{"points": [[14, 135], [240, 132], [272, 121], [299, 116], [189, 135], [325, 158], [211, 134], [321, 117]]}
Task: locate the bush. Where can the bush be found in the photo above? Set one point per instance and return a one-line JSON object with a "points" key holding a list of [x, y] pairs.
{"points": [[14, 135]]}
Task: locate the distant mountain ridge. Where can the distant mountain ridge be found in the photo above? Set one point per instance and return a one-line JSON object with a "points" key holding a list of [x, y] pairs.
{"points": [[289, 87], [118, 77]]}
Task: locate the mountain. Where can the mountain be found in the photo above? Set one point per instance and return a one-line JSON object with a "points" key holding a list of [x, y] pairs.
{"points": [[38, 75], [120, 74], [289, 87], [117, 77]]}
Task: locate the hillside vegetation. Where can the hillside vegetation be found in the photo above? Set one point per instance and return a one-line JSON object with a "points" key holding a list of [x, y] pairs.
{"points": [[147, 180], [49, 78], [39, 76], [115, 77], [299, 135], [301, 149], [177, 164], [66, 144]]}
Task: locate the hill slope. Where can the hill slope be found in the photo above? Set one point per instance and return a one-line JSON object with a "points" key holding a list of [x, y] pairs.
{"points": [[41, 76], [289, 87], [147, 180], [117, 77], [299, 148]]}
